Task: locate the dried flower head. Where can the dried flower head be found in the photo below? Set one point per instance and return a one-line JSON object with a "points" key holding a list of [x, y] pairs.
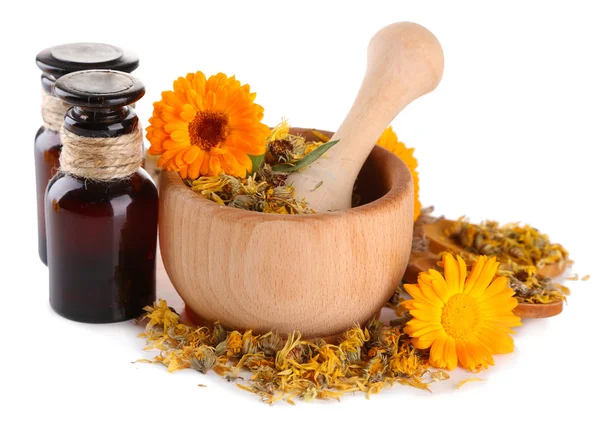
{"points": [[270, 343], [203, 358], [279, 151], [529, 286], [283, 147], [161, 315]]}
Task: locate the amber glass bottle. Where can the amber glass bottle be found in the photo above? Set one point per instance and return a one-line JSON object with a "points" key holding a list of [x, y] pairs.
{"points": [[54, 63], [101, 233]]}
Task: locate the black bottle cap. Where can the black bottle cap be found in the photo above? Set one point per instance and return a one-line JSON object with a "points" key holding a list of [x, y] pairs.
{"points": [[100, 98], [99, 89], [60, 60]]}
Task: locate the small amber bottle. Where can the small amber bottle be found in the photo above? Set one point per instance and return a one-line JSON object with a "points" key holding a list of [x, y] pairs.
{"points": [[101, 207], [54, 63]]}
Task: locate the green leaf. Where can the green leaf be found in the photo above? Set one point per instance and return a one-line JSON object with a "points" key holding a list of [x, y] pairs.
{"points": [[256, 162], [306, 160]]}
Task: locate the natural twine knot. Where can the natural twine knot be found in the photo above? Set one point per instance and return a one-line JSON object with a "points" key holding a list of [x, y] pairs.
{"points": [[53, 111], [101, 159]]}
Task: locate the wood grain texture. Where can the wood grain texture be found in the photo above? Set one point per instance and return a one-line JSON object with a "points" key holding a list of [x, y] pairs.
{"points": [[423, 261], [317, 274], [405, 61]]}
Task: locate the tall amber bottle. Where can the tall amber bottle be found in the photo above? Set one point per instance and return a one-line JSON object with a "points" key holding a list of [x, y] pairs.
{"points": [[54, 63], [101, 223]]}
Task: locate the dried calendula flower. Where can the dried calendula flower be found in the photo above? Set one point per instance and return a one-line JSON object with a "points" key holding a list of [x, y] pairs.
{"points": [[249, 343], [366, 359], [279, 151], [529, 286], [203, 358], [352, 343], [160, 314], [284, 147], [219, 333], [270, 343], [179, 332]]}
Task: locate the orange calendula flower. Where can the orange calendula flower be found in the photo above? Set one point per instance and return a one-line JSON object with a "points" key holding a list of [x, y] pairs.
{"points": [[389, 141], [207, 127], [462, 318]]}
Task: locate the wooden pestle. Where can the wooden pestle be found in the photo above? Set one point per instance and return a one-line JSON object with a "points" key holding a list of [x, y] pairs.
{"points": [[404, 62]]}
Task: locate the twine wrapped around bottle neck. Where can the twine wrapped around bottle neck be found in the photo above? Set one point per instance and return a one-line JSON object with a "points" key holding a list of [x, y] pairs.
{"points": [[101, 159], [53, 111]]}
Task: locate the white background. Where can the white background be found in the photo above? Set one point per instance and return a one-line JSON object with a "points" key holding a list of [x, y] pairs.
{"points": [[510, 134]]}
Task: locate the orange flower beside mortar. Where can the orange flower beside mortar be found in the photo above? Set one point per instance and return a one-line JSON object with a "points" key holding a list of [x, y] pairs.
{"points": [[462, 318], [389, 141]]}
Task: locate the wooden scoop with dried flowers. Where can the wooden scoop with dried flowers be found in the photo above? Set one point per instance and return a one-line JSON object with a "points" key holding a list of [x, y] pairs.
{"points": [[527, 258]]}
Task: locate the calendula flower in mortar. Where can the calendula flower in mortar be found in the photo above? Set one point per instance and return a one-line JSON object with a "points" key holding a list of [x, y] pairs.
{"points": [[389, 141], [462, 318], [207, 127]]}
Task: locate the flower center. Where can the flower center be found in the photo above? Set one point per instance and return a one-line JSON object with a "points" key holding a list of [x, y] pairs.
{"points": [[461, 316], [208, 129], [280, 150]]}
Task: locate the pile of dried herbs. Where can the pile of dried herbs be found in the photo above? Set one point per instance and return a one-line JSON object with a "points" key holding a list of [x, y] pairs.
{"points": [[530, 286], [365, 359], [260, 192], [521, 250], [265, 190], [511, 243]]}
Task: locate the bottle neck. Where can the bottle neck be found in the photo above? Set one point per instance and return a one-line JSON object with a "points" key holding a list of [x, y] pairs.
{"points": [[101, 122], [48, 82]]}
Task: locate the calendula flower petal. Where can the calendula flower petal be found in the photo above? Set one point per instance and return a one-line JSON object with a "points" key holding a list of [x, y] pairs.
{"points": [[450, 353], [194, 168], [498, 286], [451, 274], [487, 274]]}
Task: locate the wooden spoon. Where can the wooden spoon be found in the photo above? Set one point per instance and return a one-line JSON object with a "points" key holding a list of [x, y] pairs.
{"points": [[404, 62], [439, 242]]}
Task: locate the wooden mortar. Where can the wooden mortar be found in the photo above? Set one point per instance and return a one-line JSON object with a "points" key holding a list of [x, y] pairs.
{"points": [[318, 274]]}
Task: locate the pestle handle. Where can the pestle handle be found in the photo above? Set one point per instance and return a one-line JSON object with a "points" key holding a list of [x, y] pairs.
{"points": [[404, 62]]}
